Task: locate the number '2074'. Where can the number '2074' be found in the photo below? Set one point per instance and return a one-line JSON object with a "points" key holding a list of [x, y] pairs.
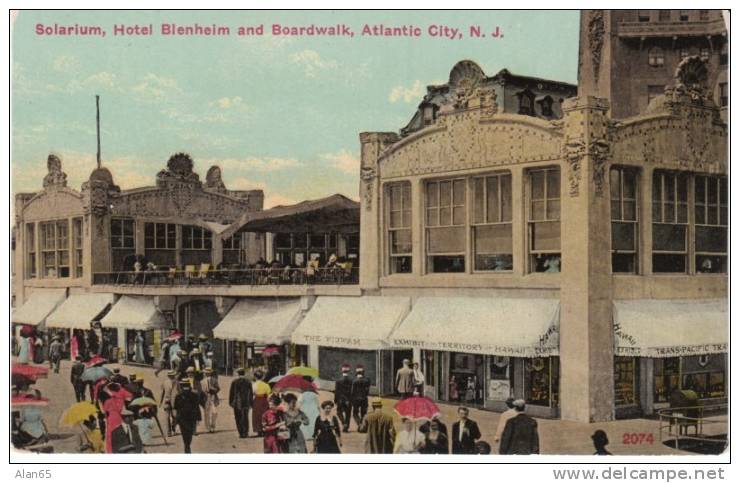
{"points": [[637, 438]]}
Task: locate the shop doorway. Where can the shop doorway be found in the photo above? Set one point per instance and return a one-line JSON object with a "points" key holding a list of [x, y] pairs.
{"points": [[201, 317], [467, 378]]}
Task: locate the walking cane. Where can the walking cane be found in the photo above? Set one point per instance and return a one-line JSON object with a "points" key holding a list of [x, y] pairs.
{"points": [[156, 418]]}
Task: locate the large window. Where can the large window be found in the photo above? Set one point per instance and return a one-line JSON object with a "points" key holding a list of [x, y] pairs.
{"points": [[445, 225], [625, 381], [710, 217], [541, 381], [195, 238], [160, 241], [55, 249], [544, 220], [526, 103], [656, 57], [297, 249], [623, 188], [398, 201], [670, 222], [491, 230], [703, 374], [31, 271], [121, 233], [77, 244], [232, 249]]}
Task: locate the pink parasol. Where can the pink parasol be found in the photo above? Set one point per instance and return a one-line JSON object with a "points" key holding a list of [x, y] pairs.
{"points": [[28, 400], [417, 408], [95, 361], [29, 371], [294, 382], [174, 335], [271, 350]]}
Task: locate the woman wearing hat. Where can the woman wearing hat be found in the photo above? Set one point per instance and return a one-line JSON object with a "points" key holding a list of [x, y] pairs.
{"points": [[294, 420], [274, 427], [327, 435], [259, 406]]}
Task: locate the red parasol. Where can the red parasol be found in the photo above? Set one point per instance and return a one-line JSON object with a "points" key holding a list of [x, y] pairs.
{"points": [[417, 408], [294, 382], [271, 350], [95, 361], [29, 371], [174, 335], [28, 400], [27, 330]]}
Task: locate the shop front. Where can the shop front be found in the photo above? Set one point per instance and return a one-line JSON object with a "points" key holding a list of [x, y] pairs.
{"points": [[256, 333], [74, 320], [139, 326], [476, 353], [354, 331], [662, 346]]}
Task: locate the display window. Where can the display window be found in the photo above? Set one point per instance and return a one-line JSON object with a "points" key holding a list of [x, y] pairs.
{"points": [[541, 379], [625, 381]]}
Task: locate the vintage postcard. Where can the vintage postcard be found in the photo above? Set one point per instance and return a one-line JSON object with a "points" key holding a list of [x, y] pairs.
{"points": [[369, 232]]}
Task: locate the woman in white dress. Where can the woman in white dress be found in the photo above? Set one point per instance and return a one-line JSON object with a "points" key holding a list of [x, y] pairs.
{"points": [[409, 440]]}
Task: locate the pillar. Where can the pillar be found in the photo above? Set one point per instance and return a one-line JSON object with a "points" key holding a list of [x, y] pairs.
{"points": [[586, 332], [372, 144]]}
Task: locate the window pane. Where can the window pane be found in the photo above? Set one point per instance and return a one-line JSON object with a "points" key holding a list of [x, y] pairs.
{"points": [[623, 236], [494, 263], [445, 193], [614, 182], [478, 200], [723, 216], [447, 264], [506, 197], [148, 230], [665, 263], [406, 195], [682, 215], [711, 264], [401, 241], [669, 237], [683, 187], [459, 192], [400, 265], [712, 215], [432, 194], [170, 236], [711, 239], [446, 240], [445, 216], [458, 215], [538, 210], [669, 213], [546, 236], [629, 180], [300, 240], [538, 185], [318, 241], [553, 183], [699, 217], [187, 237], [493, 239], [623, 263], [396, 219], [630, 211], [699, 189], [396, 194], [553, 210], [492, 200], [712, 191], [723, 190], [432, 217], [406, 218], [657, 187]]}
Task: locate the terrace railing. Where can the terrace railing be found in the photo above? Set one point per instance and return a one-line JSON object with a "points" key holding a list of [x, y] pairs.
{"points": [[230, 277]]}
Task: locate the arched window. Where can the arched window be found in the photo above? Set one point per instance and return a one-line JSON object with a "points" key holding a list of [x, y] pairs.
{"points": [[526, 103], [656, 57]]}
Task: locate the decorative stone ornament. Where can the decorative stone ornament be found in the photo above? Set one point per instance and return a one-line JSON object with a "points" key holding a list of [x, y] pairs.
{"points": [[596, 39], [55, 177], [214, 181]]}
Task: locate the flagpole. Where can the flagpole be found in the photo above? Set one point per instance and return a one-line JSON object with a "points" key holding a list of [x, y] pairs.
{"points": [[97, 122]]}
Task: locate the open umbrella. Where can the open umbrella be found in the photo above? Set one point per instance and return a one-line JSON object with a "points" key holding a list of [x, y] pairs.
{"points": [[174, 335], [304, 371], [143, 401], [28, 400], [27, 330], [417, 408], [276, 379], [95, 373], [78, 413], [294, 382], [95, 361], [27, 370], [271, 350]]}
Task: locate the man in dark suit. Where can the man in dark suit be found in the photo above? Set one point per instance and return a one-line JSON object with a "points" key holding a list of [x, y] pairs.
{"points": [[187, 413], [342, 395], [240, 399], [464, 433], [520, 434], [359, 395], [125, 438], [75, 378]]}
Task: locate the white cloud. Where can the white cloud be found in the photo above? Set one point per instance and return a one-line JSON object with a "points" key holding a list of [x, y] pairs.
{"points": [[408, 94], [154, 87], [312, 62], [65, 63], [243, 183], [228, 102], [276, 199], [344, 161]]}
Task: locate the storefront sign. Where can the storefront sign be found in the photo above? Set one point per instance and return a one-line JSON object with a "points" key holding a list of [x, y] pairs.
{"points": [[499, 390], [685, 350], [332, 341], [486, 349]]}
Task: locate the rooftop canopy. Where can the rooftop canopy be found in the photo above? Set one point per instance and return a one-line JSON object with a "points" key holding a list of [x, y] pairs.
{"points": [[335, 213]]}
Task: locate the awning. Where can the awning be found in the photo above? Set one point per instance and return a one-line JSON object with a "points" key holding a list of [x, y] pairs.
{"points": [[352, 322], [520, 327], [135, 313], [79, 310], [262, 321], [669, 328], [38, 306]]}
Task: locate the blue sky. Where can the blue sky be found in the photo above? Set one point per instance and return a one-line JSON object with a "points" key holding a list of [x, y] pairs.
{"points": [[278, 113]]}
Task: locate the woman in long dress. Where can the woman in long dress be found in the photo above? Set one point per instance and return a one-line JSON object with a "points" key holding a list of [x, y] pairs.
{"points": [[309, 404], [273, 422], [24, 353], [327, 434], [295, 419], [409, 440], [259, 406], [139, 348]]}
